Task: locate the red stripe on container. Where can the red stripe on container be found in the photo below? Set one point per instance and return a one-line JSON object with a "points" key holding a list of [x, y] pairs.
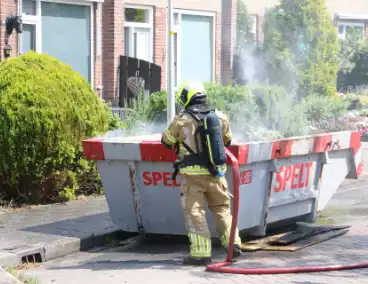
{"points": [[241, 152], [93, 149], [281, 149], [154, 151], [322, 143], [355, 141]]}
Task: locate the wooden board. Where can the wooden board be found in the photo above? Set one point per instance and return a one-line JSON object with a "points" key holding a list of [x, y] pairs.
{"points": [[307, 242], [303, 232], [259, 243]]}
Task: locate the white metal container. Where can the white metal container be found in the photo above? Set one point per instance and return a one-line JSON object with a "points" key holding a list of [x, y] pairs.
{"points": [[280, 180]]}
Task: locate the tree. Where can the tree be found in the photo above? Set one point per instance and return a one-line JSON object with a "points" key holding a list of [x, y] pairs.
{"points": [[301, 46], [353, 62], [244, 35]]}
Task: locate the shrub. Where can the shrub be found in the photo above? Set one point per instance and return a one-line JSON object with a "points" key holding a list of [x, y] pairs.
{"points": [[233, 100], [46, 109], [364, 113], [300, 46], [317, 107], [259, 112], [157, 107], [114, 121], [357, 101], [278, 111]]}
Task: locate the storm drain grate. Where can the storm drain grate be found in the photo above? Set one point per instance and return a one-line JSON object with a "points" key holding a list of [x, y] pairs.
{"points": [[32, 258]]}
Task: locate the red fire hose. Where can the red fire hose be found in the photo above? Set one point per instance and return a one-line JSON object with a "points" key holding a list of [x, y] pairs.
{"points": [[222, 266]]}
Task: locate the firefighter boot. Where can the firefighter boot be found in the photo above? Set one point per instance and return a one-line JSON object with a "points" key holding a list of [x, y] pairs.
{"points": [[237, 252], [202, 261]]}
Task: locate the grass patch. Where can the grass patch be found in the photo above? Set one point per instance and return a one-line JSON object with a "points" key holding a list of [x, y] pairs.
{"points": [[21, 276]]}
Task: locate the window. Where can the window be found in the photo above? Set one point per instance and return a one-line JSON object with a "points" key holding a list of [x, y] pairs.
{"points": [[350, 29], [137, 15], [48, 23], [58, 20], [138, 32], [29, 7], [194, 53]]}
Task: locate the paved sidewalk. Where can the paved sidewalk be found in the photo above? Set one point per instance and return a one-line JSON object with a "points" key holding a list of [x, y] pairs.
{"points": [[54, 230], [157, 262], [61, 229]]}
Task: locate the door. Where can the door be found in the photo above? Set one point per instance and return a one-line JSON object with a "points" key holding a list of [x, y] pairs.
{"points": [[137, 41]]}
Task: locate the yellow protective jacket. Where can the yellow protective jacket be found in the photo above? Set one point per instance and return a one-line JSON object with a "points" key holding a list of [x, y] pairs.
{"points": [[182, 129]]}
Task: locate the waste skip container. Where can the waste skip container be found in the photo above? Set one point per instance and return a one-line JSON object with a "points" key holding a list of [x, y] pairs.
{"points": [[280, 180]]}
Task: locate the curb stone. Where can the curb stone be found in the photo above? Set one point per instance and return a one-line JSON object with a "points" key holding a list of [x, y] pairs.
{"points": [[7, 278], [48, 251]]}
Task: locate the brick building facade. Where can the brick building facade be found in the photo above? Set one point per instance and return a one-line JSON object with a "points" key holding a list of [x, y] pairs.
{"points": [[204, 36], [48, 27], [150, 30]]}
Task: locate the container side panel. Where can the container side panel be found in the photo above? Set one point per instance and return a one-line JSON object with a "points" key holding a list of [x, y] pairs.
{"points": [[115, 179], [253, 189], [333, 175], [288, 211], [160, 198], [295, 180], [122, 151]]}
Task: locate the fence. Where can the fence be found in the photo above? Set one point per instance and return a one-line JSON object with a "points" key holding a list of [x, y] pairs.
{"points": [[118, 111], [132, 72]]}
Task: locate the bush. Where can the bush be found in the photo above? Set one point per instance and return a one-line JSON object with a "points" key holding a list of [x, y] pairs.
{"points": [[46, 109], [357, 101], [259, 112], [114, 121], [233, 100], [279, 111], [364, 113], [300, 46], [157, 107], [317, 107]]}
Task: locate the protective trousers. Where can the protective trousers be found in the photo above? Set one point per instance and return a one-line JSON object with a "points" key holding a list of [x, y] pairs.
{"points": [[195, 190]]}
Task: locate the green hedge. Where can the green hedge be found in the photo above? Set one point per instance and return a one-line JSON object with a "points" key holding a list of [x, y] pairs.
{"points": [[46, 109]]}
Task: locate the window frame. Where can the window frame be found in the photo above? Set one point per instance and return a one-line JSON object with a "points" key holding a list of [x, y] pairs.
{"points": [[36, 20], [133, 25], [176, 29], [349, 24]]}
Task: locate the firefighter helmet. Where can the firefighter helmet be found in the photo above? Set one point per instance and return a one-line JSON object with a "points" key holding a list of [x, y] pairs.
{"points": [[191, 90]]}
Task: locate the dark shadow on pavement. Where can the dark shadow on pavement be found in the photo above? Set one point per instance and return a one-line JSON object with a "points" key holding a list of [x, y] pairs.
{"points": [[74, 227]]}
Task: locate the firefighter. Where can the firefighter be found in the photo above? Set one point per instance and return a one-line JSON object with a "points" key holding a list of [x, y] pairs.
{"points": [[202, 169]]}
